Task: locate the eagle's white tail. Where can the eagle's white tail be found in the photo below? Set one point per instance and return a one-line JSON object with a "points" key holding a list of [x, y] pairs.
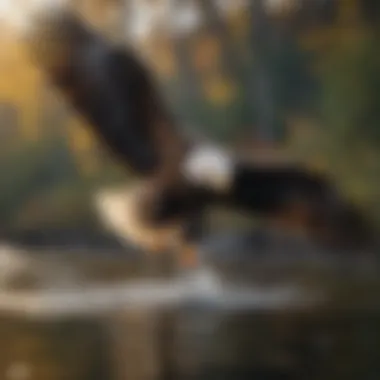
{"points": [[119, 211]]}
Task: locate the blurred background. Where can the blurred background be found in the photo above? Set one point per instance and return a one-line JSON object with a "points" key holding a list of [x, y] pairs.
{"points": [[283, 78]]}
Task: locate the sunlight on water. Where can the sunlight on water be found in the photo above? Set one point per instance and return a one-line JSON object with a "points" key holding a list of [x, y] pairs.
{"points": [[202, 286], [204, 280]]}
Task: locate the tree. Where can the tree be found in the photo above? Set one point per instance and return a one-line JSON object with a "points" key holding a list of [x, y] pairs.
{"points": [[219, 28], [351, 89], [31, 170], [350, 112]]}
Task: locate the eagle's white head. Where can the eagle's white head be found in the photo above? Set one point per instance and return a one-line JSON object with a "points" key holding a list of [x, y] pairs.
{"points": [[210, 167]]}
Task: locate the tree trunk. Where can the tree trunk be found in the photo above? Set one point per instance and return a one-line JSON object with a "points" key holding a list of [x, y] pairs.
{"points": [[188, 81], [261, 85]]}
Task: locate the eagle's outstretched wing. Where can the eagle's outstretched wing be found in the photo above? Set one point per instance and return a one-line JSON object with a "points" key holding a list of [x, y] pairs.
{"points": [[111, 89]]}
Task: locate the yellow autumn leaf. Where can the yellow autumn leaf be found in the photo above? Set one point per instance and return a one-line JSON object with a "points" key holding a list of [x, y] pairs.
{"points": [[20, 84], [206, 52], [81, 140], [160, 54], [164, 63], [219, 91], [348, 11], [318, 164], [239, 22]]}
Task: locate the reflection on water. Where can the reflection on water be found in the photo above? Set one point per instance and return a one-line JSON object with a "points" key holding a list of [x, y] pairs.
{"points": [[300, 319], [273, 345]]}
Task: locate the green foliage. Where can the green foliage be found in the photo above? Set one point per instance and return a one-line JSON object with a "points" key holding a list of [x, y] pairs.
{"points": [[41, 187], [350, 112], [31, 169], [66, 205], [351, 92]]}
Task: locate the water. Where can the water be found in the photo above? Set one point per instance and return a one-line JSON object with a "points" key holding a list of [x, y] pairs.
{"points": [[285, 319]]}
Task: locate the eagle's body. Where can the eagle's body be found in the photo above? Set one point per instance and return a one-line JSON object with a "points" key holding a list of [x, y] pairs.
{"points": [[181, 177]]}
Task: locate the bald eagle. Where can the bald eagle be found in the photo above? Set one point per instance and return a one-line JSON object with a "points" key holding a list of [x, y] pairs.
{"points": [[180, 176]]}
